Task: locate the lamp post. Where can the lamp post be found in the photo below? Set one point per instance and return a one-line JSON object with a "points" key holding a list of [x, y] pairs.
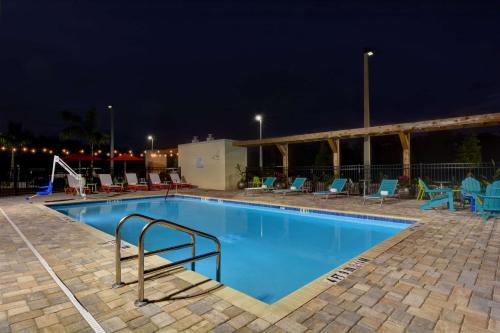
{"points": [[259, 119], [112, 140], [366, 108], [152, 139]]}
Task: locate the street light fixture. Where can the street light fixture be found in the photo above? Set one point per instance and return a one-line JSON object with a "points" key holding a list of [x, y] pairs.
{"points": [[152, 139], [366, 108], [259, 119], [112, 140]]}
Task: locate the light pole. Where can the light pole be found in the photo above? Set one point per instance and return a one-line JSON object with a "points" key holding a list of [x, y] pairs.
{"points": [[112, 140], [366, 107], [259, 119], [152, 139]]}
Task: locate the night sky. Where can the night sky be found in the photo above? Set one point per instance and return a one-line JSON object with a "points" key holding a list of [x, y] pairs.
{"points": [[183, 68]]}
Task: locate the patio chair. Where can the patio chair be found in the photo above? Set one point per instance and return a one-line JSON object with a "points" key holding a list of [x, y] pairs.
{"points": [[488, 204], [133, 183], [335, 188], [438, 196], [386, 190], [469, 189], [73, 185], [267, 185], [177, 181], [156, 182], [107, 183], [296, 187]]}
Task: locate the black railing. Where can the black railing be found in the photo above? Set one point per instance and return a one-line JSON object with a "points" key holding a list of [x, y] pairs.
{"points": [[21, 181], [450, 174]]}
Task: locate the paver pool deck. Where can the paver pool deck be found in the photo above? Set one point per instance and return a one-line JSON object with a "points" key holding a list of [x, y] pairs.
{"points": [[443, 277]]}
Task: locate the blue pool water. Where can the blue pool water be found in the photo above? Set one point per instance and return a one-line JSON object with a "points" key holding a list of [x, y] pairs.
{"points": [[267, 252]]}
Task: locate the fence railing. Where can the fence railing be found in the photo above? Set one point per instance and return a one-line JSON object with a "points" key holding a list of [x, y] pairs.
{"points": [[450, 174], [22, 181]]}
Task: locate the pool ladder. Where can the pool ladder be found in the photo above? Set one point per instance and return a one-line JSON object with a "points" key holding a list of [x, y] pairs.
{"points": [[141, 253]]}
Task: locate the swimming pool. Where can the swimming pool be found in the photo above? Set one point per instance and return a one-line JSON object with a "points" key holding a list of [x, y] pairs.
{"points": [[267, 252]]}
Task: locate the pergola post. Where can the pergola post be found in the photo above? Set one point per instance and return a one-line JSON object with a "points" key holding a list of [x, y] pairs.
{"points": [[335, 147], [283, 148], [405, 144]]}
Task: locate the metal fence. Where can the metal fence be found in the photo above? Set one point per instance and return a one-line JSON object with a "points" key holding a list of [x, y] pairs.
{"points": [[449, 174], [21, 181]]}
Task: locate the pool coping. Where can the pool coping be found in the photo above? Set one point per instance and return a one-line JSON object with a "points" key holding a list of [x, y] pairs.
{"points": [[289, 303]]}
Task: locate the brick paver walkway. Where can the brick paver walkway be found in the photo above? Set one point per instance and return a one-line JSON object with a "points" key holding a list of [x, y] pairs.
{"points": [[445, 277]]}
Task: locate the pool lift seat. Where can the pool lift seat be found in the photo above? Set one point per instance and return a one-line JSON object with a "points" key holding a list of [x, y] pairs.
{"points": [[141, 300]]}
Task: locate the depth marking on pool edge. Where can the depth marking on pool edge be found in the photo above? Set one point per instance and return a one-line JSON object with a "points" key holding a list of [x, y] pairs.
{"points": [[347, 270], [96, 327]]}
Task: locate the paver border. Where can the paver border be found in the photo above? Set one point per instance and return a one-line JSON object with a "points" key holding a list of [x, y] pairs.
{"points": [[283, 307]]}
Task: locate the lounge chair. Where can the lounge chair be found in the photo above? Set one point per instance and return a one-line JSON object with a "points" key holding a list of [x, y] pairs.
{"points": [[267, 185], [469, 189], [156, 182], [177, 181], [296, 187], [133, 183], [335, 188], [438, 196], [73, 185], [107, 183], [386, 190], [488, 204]]}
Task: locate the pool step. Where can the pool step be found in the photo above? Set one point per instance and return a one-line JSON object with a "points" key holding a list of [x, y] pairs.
{"points": [[347, 270]]}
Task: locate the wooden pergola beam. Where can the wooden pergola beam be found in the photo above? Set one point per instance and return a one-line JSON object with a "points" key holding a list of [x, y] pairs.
{"points": [[405, 144], [335, 147], [283, 148], [483, 120]]}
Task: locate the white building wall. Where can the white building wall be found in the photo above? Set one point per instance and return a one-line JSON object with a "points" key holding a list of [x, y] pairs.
{"points": [[212, 164]]}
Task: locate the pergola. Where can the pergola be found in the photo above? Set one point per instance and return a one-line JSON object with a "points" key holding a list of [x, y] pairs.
{"points": [[403, 130]]}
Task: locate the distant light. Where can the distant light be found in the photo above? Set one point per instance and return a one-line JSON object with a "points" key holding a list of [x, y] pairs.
{"points": [[51, 152], [25, 149], [258, 117], [3, 148], [158, 151], [142, 155], [370, 53], [14, 149], [115, 151], [44, 150], [130, 152], [67, 152], [170, 152], [110, 107], [150, 137], [33, 150], [120, 154], [107, 154]]}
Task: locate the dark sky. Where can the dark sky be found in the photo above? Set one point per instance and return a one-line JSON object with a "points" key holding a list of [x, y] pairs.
{"points": [[183, 68]]}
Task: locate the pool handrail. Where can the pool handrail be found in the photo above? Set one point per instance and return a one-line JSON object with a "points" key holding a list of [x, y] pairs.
{"points": [[141, 254]]}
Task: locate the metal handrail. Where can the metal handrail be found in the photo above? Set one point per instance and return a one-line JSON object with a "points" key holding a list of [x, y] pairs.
{"points": [[141, 254]]}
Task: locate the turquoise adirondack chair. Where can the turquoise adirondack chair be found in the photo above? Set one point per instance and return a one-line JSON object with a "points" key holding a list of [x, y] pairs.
{"points": [[469, 189], [337, 187], [386, 190], [488, 204], [438, 196]]}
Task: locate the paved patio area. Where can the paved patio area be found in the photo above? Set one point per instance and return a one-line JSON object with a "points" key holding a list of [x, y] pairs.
{"points": [[444, 277]]}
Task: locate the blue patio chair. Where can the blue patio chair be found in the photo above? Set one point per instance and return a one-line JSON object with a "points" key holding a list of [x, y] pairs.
{"points": [[438, 197], [386, 190], [296, 187], [469, 189], [335, 188], [488, 204], [267, 185]]}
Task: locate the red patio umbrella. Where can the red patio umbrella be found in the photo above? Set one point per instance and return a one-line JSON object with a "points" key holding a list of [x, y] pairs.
{"points": [[80, 158], [125, 158]]}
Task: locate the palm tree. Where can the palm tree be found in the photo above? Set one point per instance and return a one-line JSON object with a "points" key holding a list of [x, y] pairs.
{"points": [[15, 137], [84, 129]]}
